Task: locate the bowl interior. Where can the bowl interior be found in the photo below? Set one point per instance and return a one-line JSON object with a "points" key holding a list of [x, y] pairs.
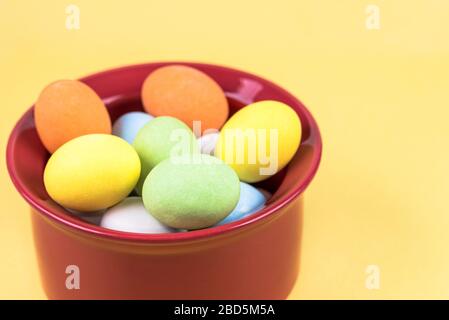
{"points": [[120, 90]]}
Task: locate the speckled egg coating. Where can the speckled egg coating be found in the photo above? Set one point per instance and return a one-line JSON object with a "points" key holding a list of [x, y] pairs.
{"points": [[159, 139], [67, 109], [191, 193], [260, 139], [128, 125], [187, 94], [130, 215], [250, 201], [92, 172]]}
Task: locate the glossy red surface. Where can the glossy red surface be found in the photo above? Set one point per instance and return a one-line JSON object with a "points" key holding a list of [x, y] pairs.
{"points": [[253, 258]]}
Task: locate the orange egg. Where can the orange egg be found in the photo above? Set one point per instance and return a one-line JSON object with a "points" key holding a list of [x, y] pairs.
{"points": [[187, 94], [67, 109]]}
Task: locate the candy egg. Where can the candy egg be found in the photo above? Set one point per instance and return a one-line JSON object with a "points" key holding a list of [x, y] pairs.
{"points": [[67, 109], [207, 142], [191, 192], [130, 215], [129, 124], [159, 139], [259, 140], [250, 201], [92, 172], [187, 94]]}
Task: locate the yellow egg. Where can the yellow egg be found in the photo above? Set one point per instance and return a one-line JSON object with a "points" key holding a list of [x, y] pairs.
{"points": [[92, 172], [259, 140]]}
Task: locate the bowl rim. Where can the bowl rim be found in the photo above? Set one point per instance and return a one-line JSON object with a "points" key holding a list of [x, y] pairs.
{"points": [[85, 227]]}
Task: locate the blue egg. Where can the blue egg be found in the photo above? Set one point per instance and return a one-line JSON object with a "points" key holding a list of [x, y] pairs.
{"points": [[129, 124], [250, 201]]}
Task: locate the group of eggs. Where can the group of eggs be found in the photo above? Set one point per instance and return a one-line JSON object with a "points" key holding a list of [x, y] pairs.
{"points": [[149, 172]]}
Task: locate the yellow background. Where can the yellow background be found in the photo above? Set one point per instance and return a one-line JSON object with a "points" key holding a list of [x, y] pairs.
{"points": [[381, 98]]}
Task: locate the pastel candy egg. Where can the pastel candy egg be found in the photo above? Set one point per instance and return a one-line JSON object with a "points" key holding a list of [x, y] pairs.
{"points": [[92, 172], [159, 139], [187, 94], [250, 201], [207, 142], [259, 140], [130, 215], [129, 124], [67, 109], [192, 192]]}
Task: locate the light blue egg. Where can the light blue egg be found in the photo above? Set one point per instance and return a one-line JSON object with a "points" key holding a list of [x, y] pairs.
{"points": [[250, 201], [129, 124]]}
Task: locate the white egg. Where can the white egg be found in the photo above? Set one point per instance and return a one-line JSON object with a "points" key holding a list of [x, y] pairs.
{"points": [[130, 215], [208, 142]]}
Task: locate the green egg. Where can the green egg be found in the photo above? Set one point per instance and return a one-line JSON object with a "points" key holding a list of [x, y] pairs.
{"points": [[192, 192], [160, 139]]}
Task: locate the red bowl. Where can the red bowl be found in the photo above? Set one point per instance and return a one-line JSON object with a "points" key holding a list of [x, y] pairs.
{"points": [[254, 258]]}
